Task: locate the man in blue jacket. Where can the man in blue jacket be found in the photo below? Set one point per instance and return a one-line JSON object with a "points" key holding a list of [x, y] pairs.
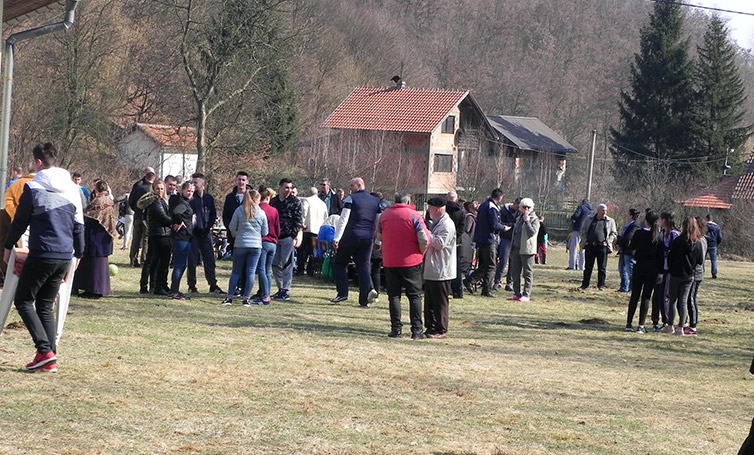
{"points": [[575, 253], [714, 239], [50, 206], [486, 237]]}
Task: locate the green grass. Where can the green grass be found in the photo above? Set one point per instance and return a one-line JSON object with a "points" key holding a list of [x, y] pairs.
{"points": [[152, 376]]}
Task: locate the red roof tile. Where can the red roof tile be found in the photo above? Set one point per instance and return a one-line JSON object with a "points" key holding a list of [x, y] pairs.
{"points": [[392, 109], [170, 136], [715, 197]]}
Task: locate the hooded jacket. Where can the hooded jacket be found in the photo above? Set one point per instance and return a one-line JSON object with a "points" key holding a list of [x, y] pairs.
{"points": [[50, 206], [156, 214]]}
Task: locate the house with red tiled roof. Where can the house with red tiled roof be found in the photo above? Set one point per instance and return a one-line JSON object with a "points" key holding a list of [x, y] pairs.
{"points": [[170, 150], [411, 139], [723, 195]]}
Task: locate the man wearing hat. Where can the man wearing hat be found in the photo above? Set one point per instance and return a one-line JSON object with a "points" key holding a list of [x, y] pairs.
{"points": [[597, 235], [439, 269]]}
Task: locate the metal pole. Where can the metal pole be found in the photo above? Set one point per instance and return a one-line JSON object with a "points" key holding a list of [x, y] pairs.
{"points": [[590, 166], [8, 82], [5, 117]]}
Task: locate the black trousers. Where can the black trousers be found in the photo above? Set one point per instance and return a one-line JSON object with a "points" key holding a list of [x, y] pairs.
{"points": [[436, 305], [361, 252], [410, 279], [642, 284], [592, 252], [486, 255], [38, 286], [202, 244], [305, 254], [154, 271], [456, 285], [660, 300], [693, 308]]}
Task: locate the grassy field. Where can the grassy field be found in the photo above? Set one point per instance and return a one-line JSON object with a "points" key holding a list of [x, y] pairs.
{"points": [[152, 376]]}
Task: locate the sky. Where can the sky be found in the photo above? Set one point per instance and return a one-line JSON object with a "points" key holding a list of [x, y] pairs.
{"points": [[741, 26]]}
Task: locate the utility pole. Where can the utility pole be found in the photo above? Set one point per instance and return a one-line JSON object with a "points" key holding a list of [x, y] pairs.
{"points": [[590, 166]]}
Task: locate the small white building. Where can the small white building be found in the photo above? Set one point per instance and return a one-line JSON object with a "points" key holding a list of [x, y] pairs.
{"points": [[170, 150]]}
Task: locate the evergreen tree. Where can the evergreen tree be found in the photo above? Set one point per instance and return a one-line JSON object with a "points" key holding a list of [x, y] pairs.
{"points": [[657, 119], [721, 95]]}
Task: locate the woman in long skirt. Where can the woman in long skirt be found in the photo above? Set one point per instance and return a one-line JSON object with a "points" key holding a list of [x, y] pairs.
{"points": [[100, 219]]}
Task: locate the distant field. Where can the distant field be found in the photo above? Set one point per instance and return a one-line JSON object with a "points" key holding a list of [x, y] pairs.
{"points": [[152, 376]]}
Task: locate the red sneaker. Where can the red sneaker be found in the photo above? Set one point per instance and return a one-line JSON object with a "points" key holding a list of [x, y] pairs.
{"points": [[41, 360], [49, 368]]}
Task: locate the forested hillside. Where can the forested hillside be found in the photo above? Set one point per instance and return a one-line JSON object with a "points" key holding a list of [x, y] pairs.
{"points": [[126, 60]]}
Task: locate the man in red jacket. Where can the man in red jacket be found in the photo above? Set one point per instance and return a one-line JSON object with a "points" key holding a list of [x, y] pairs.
{"points": [[404, 240]]}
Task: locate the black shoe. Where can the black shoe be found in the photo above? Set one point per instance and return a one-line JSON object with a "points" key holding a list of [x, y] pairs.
{"points": [[216, 290], [457, 296], [143, 290], [600, 288], [193, 290], [161, 292], [338, 299], [418, 336], [714, 277], [467, 285], [509, 288], [395, 334], [365, 307], [488, 294]]}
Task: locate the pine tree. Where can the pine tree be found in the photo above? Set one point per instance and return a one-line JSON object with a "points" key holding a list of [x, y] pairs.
{"points": [[721, 95], [657, 120]]}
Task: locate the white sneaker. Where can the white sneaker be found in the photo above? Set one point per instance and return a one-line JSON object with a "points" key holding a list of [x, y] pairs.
{"points": [[372, 297]]}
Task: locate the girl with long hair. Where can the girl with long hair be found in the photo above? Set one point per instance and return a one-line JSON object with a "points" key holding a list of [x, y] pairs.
{"points": [[649, 254], [182, 219], [247, 226], [269, 245], [684, 255], [154, 271], [668, 233]]}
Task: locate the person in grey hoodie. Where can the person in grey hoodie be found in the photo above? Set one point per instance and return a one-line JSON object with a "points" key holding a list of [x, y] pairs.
{"points": [[439, 269], [523, 249]]}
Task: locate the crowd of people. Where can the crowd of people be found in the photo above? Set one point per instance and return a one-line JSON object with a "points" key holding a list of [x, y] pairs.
{"points": [[657, 263], [456, 246]]}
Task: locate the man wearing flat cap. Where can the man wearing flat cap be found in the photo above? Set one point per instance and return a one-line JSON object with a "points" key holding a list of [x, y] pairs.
{"points": [[597, 236], [439, 269]]}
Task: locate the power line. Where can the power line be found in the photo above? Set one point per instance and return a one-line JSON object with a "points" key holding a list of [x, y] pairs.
{"points": [[705, 7]]}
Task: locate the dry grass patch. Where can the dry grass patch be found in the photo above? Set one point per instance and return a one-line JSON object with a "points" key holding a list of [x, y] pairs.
{"points": [[142, 375]]}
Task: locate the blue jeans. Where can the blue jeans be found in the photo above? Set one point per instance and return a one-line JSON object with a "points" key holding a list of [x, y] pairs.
{"points": [[181, 250], [244, 262], [503, 255], [712, 252], [626, 270], [264, 267]]}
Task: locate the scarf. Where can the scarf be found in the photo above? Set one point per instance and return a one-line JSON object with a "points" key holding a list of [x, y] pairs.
{"points": [[102, 209]]}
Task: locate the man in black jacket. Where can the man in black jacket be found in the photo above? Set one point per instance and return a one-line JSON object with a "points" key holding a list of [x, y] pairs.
{"points": [[138, 237], [205, 214], [233, 200], [455, 212], [626, 255]]}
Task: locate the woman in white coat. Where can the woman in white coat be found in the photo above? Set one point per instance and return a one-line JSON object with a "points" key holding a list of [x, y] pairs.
{"points": [[523, 249]]}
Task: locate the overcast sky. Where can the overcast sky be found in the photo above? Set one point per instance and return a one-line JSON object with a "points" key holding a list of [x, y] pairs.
{"points": [[741, 26]]}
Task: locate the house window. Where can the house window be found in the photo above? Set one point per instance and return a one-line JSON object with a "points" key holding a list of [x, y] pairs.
{"points": [[443, 163], [449, 125]]}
